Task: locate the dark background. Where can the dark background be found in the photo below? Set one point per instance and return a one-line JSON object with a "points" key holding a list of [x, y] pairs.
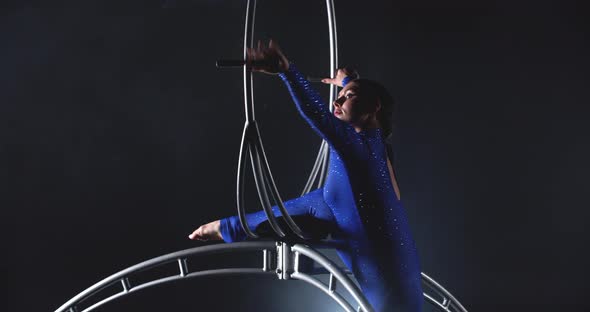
{"points": [[119, 137]]}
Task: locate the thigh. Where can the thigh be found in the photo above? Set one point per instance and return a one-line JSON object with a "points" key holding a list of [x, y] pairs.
{"points": [[309, 212]]}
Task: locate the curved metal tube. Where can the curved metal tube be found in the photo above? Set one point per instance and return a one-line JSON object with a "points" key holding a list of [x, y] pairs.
{"points": [[169, 279], [447, 296], [333, 49], [449, 302], [321, 163], [261, 169], [260, 166], [314, 170], [183, 254], [333, 67], [313, 281], [335, 270], [262, 195], [244, 149], [274, 191], [249, 41], [259, 177]]}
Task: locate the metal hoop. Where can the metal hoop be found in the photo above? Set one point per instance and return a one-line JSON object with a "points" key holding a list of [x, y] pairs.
{"points": [[252, 141], [287, 266], [287, 259]]}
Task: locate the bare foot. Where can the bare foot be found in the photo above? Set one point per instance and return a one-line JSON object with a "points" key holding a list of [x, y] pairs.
{"points": [[209, 231]]}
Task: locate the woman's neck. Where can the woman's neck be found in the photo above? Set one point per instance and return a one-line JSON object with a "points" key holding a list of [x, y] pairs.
{"points": [[370, 123]]}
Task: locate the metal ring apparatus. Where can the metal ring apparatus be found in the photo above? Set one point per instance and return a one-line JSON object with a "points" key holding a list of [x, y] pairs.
{"points": [[287, 255]]}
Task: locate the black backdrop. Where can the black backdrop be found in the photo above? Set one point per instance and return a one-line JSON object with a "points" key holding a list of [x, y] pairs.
{"points": [[119, 137]]}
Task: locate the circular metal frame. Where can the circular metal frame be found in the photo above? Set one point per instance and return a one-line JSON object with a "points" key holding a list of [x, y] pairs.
{"points": [[285, 266]]}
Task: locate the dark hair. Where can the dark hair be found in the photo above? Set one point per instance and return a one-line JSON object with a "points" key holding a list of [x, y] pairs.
{"points": [[388, 106]]}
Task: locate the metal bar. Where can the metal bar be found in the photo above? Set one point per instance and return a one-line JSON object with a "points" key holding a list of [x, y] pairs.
{"points": [[296, 262], [173, 278], [249, 41], [183, 267], [259, 176], [249, 111], [435, 302], [249, 104], [310, 280], [322, 271], [217, 272], [267, 180], [244, 149], [262, 195], [446, 293], [266, 260], [333, 268], [283, 261], [268, 175], [202, 251], [333, 67], [434, 290], [104, 301], [333, 48], [446, 302], [126, 285], [216, 249], [323, 169], [332, 285], [321, 163], [314, 171]]}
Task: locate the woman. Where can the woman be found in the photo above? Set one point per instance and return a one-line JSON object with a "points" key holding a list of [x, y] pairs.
{"points": [[360, 198]]}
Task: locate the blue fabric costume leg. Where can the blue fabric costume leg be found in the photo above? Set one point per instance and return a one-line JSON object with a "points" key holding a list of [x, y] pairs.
{"points": [[310, 205]]}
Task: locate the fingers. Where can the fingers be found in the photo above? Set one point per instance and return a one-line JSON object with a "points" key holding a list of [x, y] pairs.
{"points": [[266, 58], [272, 45]]}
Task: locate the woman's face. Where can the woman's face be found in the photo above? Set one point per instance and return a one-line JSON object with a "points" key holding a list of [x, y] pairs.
{"points": [[353, 106]]}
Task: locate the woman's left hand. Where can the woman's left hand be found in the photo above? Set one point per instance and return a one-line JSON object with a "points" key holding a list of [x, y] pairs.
{"points": [[341, 73]]}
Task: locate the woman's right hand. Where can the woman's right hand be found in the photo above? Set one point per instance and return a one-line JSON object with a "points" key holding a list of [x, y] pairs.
{"points": [[209, 231], [341, 73], [269, 60]]}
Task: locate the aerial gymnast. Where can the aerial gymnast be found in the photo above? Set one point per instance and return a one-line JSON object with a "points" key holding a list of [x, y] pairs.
{"points": [[360, 201]]}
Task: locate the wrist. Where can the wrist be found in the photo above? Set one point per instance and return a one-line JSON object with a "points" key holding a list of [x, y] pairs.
{"points": [[285, 67], [346, 80]]}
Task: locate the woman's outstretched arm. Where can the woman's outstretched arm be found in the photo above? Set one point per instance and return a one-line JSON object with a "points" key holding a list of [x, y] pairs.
{"points": [[314, 110], [271, 60]]}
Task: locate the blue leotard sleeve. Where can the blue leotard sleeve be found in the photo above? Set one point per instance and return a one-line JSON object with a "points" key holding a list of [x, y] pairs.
{"points": [[310, 105], [311, 204]]}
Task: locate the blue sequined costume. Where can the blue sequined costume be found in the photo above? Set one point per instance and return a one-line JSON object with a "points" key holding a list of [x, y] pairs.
{"points": [[358, 198]]}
